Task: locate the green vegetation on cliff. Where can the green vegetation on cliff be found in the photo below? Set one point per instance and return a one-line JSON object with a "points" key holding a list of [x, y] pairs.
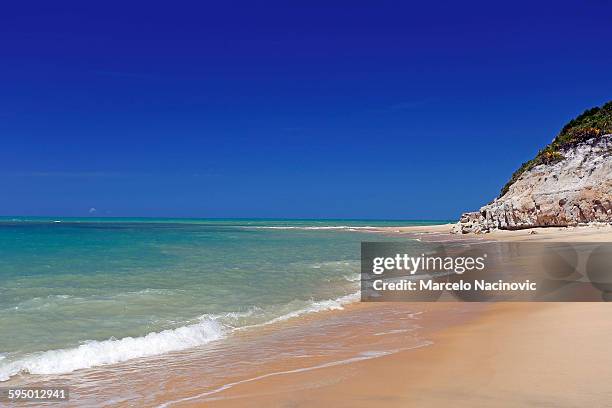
{"points": [[592, 123]]}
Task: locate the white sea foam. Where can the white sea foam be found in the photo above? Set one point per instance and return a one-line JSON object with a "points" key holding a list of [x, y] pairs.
{"points": [[311, 227], [319, 306], [352, 278], [112, 351], [337, 265], [396, 331], [367, 355], [97, 353]]}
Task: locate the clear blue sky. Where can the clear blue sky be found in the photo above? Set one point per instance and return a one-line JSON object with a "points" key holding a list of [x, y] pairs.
{"points": [[286, 109]]}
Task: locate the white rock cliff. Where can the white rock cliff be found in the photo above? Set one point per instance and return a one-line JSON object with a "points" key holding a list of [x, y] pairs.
{"points": [[575, 190]]}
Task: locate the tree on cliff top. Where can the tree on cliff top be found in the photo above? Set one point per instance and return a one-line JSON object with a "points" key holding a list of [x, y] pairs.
{"points": [[592, 123]]}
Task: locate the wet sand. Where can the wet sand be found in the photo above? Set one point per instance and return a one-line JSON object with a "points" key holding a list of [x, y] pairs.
{"points": [[545, 355], [371, 334], [386, 355], [276, 354], [503, 355], [592, 233]]}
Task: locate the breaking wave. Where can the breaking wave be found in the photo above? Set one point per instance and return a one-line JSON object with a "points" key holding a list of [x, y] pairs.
{"points": [[98, 353], [308, 228], [111, 351]]}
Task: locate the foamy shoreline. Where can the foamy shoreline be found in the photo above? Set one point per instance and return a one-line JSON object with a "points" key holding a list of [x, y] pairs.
{"points": [[492, 358], [311, 381], [94, 354], [584, 233], [510, 355]]}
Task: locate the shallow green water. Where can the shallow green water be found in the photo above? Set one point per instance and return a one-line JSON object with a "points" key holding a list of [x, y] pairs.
{"points": [[72, 290]]}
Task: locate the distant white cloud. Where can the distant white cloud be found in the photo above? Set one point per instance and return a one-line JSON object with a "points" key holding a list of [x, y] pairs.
{"points": [[93, 210]]}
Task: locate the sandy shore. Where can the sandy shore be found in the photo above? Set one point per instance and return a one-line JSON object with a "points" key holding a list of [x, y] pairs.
{"points": [[386, 355], [544, 355], [600, 233], [502, 355]]}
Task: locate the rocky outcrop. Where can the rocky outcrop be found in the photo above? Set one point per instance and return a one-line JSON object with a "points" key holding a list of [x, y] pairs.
{"points": [[576, 189]]}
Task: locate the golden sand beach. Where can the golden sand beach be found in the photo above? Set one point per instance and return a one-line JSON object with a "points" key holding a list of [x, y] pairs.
{"points": [[473, 355], [399, 354]]}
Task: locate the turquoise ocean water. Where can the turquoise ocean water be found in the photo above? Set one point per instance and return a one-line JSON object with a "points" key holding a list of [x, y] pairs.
{"points": [[79, 293]]}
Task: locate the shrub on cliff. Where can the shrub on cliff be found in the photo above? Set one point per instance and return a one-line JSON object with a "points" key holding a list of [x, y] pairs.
{"points": [[592, 123]]}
